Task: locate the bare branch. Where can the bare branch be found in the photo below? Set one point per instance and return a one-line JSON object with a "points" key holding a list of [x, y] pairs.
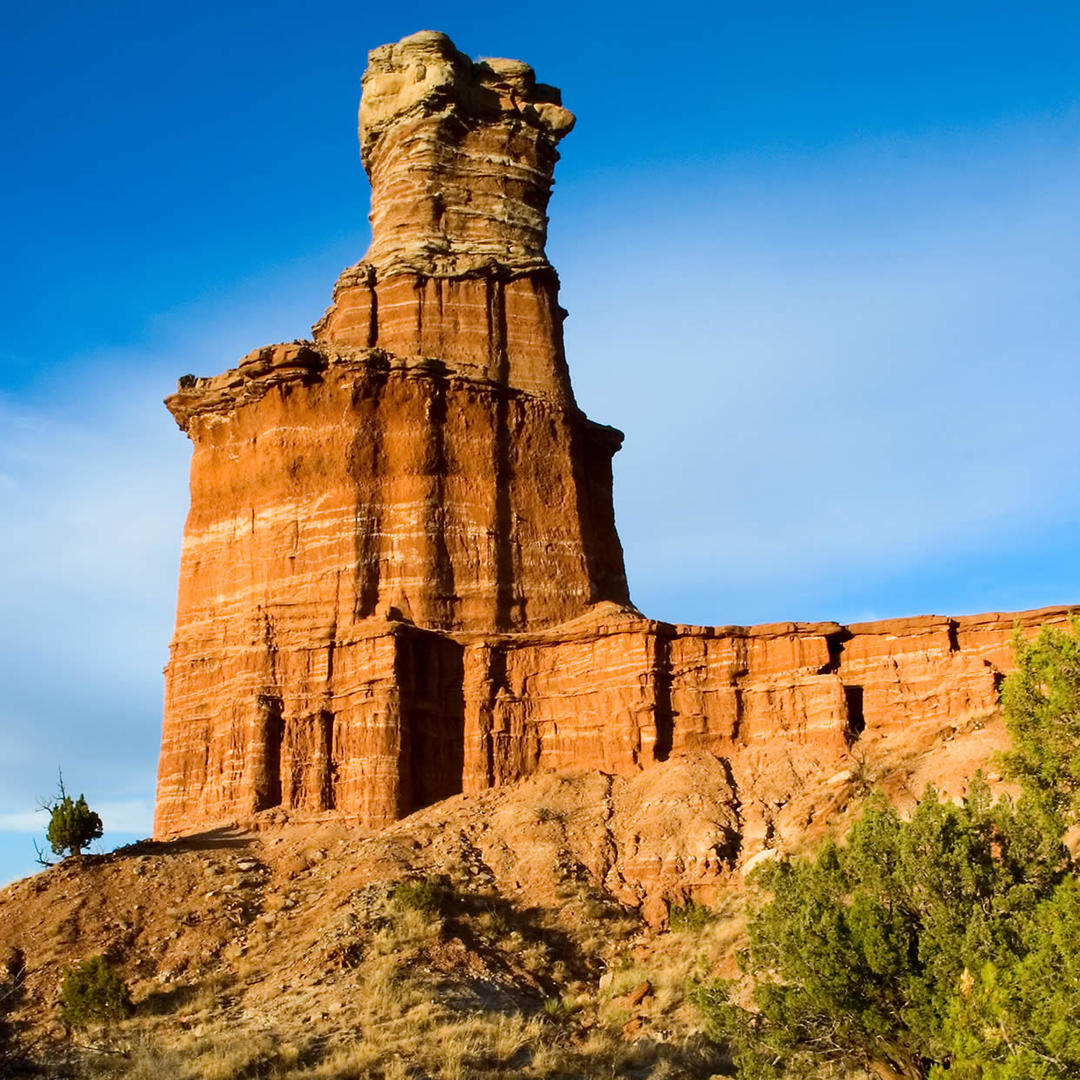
{"points": [[41, 860]]}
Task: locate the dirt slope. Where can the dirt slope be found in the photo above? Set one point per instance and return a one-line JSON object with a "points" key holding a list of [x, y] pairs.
{"points": [[529, 916]]}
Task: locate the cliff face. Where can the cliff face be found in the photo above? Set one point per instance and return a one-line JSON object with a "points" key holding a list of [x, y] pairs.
{"points": [[400, 575], [335, 503]]}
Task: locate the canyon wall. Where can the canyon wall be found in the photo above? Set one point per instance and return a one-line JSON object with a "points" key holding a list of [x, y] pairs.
{"points": [[400, 576]]}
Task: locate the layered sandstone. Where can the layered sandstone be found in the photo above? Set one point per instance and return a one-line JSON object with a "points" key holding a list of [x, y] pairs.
{"points": [[420, 466], [461, 157], [400, 576]]}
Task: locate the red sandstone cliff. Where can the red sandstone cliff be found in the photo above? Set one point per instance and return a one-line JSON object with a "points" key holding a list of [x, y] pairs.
{"points": [[400, 575]]}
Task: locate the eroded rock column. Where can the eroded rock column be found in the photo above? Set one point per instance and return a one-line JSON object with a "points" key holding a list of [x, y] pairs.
{"points": [[461, 156], [419, 469]]}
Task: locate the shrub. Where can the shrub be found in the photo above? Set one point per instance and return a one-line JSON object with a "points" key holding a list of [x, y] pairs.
{"points": [[860, 957], [1041, 701], [425, 895], [93, 993], [72, 824], [1021, 1020], [943, 946], [690, 917]]}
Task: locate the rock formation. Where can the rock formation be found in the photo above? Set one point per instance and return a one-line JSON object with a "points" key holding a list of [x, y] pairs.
{"points": [[460, 157], [400, 576]]}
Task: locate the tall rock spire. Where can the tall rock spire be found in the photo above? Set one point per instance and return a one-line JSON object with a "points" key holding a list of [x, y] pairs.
{"points": [[461, 156], [420, 464]]}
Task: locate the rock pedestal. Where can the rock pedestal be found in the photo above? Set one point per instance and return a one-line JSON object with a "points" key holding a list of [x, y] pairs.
{"points": [[400, 576]]}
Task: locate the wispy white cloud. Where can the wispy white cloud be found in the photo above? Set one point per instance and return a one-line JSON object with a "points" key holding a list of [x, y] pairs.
{"points": [[95, 493], [23, 821]]}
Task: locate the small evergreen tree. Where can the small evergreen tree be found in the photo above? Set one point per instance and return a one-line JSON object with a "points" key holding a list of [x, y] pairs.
{"points": [[93, 993], [72, 824], [1020, 1019], [1041, 701]]}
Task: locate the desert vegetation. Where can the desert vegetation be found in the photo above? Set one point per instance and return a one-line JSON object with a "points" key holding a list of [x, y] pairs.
{"points": [[72, 824], [93, 992], [424, 981]]}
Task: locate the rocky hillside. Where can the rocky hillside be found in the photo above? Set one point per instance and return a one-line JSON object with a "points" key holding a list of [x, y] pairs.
{"points": [[544, 929]]}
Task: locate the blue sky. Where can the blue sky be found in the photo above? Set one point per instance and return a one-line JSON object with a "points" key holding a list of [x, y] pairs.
{"points": [[822, 265]]}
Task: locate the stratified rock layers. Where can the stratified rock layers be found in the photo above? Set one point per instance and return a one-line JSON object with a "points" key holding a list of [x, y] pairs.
{"points": [[400, 575], [342, 511], [461, 157]]}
